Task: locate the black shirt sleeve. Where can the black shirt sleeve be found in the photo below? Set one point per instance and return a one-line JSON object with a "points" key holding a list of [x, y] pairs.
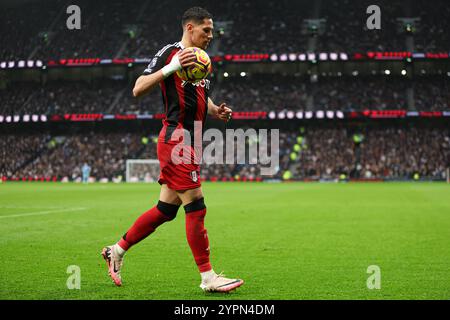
{"points": [[158, 61]]}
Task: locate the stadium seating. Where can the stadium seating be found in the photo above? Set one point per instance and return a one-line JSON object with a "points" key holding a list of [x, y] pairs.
{"points": [[308, 153], [251, 93], [37, 30], [128, 29]]}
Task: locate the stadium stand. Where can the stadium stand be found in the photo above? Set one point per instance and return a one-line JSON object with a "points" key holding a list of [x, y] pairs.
{"points": [[118, 28], [250, 93], [115, 29], [308, 153]]}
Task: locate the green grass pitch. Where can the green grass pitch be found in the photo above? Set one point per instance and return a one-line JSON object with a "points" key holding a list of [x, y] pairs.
{"points": [[287, 241]]}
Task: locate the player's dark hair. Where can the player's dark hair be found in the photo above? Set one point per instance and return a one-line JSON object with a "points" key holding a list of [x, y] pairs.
{"points": [[195, 14]]}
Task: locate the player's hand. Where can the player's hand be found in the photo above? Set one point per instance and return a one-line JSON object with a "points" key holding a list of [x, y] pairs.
{"points": [[186, 58], [224, 113], [182, 59]]}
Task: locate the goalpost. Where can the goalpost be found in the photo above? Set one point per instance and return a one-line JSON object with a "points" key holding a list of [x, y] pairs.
{"points": [[142, 170]]}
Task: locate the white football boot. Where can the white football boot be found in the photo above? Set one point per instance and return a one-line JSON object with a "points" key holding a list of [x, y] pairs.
{"points": [[114, 263], [218, 283]]}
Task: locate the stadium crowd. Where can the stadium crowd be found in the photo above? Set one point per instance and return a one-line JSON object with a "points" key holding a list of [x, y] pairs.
{"points": [[16, 150], [59, 97], [122, 29], [433, 21], [374, 93], [250, 93], [324, 153], [346, 29], [37, 30], [264, 93], [277, 92], [307, 153], [402, 152], [432, 94], [105, 153]]}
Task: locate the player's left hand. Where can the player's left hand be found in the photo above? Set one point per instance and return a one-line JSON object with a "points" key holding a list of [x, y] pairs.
{"points": [[223, 112]]}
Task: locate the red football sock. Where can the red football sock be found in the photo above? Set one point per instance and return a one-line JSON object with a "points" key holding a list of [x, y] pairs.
{"points": [[147, 223], [196, 234]]}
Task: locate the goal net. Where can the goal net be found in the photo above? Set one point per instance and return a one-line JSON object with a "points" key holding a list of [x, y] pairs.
{"points": [[142, 170]]}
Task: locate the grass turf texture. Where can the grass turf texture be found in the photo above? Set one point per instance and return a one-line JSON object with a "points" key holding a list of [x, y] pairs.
{"points": [[287, 241]]}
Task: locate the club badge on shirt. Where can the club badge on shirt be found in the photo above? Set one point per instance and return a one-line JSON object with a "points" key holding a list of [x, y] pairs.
{"points": [[194, 176]]}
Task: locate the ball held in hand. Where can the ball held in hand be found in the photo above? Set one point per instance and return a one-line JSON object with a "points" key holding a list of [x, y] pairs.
{"points": [[199, 70]]}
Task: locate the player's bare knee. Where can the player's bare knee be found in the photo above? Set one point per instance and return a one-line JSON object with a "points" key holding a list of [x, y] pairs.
{"points": [[190, 195], [168, 209], [169, 196]]}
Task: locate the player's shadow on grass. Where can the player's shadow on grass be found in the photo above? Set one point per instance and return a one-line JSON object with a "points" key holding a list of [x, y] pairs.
{"points": [[218, 294]]}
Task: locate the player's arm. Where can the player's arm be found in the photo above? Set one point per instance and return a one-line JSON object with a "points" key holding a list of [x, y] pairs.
{"points": [[221, 112], [157, 71], [145, 83]]}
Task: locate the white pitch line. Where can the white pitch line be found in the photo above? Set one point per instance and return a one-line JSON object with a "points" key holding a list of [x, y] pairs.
{"points": [[29, 207], [41, 213]]}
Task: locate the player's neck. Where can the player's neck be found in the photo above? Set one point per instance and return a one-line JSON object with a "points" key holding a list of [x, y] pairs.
{"points": [[185, 42]]}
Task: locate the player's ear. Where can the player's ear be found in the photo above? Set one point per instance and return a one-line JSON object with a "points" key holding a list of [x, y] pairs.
{"points": [[189, 26]]}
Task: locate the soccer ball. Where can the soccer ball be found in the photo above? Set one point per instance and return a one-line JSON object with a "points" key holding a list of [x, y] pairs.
{"points": [[199, 70]]}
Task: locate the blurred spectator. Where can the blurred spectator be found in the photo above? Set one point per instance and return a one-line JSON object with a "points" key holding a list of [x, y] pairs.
{"points": [[257, 92], [105, 153], [17, 150], [264, 92], [432, 94], [139, 28], [346, 28], [432, 34], [402, 152], [357, 93], [309, 153], [59, 97]]}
